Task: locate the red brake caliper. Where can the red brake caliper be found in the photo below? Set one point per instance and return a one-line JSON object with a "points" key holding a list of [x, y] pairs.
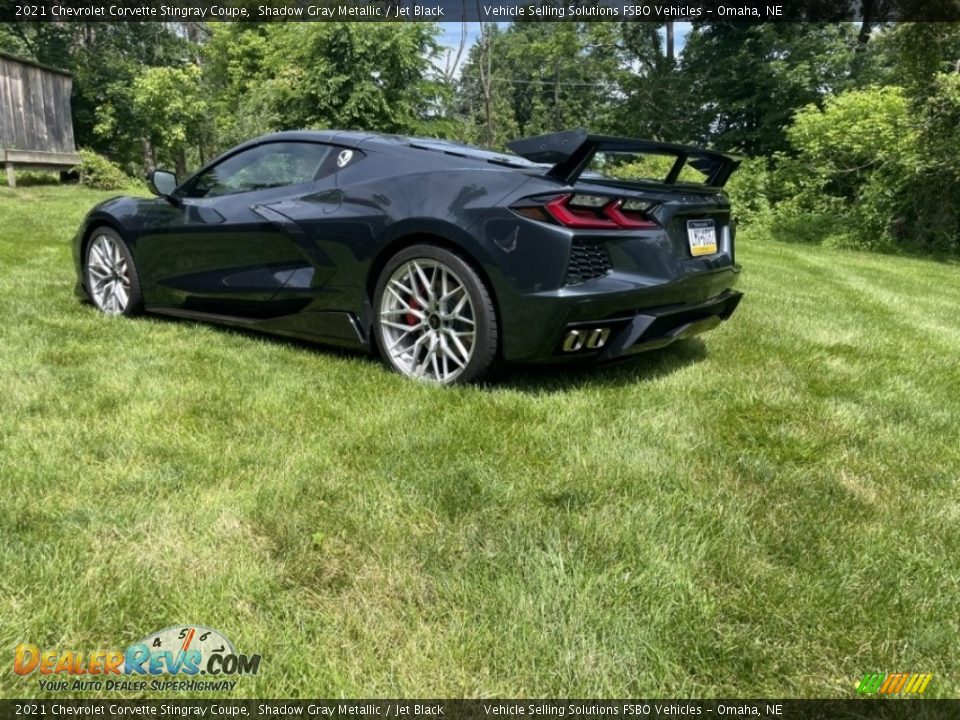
{"points": [[410, 317]]}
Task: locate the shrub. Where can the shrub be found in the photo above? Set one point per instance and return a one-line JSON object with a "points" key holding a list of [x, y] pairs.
{"points": [[98, 173], [749, 191], [855, 163], [37, 177], [935, 193]]}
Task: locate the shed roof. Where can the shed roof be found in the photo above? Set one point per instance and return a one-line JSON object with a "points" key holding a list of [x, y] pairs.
{"points": [[34, 63]]}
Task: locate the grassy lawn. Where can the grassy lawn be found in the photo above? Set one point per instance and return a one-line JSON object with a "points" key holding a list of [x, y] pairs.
{"points": [[771, 511]]}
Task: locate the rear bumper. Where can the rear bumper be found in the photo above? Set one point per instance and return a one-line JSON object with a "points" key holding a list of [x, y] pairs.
{"points": [[634, 314], [658, 328]]}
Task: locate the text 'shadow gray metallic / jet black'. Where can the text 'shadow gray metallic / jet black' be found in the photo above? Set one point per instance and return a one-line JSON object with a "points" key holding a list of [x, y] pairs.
{"points": [[441, 257]]}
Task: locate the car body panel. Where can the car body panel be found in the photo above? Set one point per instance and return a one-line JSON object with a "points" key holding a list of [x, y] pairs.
{"points": [[302, 259]]}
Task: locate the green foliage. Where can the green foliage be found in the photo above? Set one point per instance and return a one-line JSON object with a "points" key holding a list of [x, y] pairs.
{"points": [[234, 60], [98, 173], [643, 166], [935, 195], [875, 169], [917, 52], [37, 177], [343, 75], [657, 101], [855, 159], [746, 80], [170, 109], [534, 78], [749, 190]]}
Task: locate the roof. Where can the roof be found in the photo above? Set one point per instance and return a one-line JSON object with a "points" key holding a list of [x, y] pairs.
{"points": [[34, 63], [356, 139]]}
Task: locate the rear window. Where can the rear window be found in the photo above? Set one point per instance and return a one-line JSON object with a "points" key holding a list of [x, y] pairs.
{"points": [[650, 167]]}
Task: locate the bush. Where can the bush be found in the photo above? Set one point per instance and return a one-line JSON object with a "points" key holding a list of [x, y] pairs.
{"points": [[749, 191], [98, 173], [848, 183], [37, 177], [935, 193]]}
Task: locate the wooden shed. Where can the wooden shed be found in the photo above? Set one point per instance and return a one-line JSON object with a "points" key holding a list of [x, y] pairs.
{"points": [[36, 127]]}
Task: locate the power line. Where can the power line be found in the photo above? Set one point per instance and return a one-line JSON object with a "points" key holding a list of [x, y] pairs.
{"points": [[516, 81]]}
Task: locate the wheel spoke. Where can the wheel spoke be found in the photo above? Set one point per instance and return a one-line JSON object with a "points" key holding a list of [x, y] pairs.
{"points": [[461, 348], [101, 259], [98, 272], [408, 291], [415, 286], [399, 326], [448, 352], [400, 338], [403, 301], [433, 357], [427, 285], [444, 360]]}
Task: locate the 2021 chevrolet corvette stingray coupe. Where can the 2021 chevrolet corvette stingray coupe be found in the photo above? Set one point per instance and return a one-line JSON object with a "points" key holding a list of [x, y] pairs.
{"points": [[443, 258]]}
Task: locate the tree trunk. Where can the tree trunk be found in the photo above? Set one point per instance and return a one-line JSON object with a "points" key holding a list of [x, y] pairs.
{"points": [[181, 162], [149, 156]]}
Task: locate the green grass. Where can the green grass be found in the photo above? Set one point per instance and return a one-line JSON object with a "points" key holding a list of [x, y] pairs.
{"points": [[772, 511]]}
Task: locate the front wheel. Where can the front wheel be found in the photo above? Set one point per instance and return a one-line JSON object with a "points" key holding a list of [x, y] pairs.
{"points": [[435, 319], [112, 280]]}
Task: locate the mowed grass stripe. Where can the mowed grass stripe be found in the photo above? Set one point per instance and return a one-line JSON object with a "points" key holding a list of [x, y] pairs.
{"points": [[770, 510]]}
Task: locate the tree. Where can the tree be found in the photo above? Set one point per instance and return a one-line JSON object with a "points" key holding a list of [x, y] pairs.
{"points": [[375, 76], [657, 100], [171, 113], [538, 77], [747, 79]]}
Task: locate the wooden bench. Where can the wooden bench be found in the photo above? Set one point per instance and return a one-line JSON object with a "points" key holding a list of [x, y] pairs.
{"points": [[34, 160]]}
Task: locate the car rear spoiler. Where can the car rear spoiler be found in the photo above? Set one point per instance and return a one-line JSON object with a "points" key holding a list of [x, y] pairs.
{"points": [[571, 151]]}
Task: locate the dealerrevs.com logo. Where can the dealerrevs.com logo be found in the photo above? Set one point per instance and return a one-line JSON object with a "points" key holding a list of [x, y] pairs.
{"points": [[181, 653]]}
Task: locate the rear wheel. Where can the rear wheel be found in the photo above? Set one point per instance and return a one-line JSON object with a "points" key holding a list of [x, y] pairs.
{"points": [[112, 280], [435, 319]]}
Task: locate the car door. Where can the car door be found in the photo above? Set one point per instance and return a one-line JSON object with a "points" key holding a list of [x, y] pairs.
{"points": [[219, 249]]}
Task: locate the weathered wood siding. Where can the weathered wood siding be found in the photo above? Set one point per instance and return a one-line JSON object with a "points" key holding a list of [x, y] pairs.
{"points": [[34, 107]]}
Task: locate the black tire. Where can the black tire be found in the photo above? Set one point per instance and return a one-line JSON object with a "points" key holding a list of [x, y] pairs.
{"points": [[483, 351], [124, 274]]}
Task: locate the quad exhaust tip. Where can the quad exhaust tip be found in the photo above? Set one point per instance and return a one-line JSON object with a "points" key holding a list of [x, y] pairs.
{"points": [[586, 339]]}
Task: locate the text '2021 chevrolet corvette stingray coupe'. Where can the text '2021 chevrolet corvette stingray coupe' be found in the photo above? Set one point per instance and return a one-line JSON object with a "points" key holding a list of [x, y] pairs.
{"points": [[441, 257]]}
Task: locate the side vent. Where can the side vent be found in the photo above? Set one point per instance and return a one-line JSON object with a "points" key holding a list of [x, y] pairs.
{"points": [[589, 259]]}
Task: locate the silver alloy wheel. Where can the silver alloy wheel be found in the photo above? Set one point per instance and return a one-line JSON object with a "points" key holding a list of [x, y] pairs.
{"points": [[108, 275], [427, 321]]}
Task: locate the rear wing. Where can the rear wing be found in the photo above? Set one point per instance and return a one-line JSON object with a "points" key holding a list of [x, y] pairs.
{"points": [[571, 151]]}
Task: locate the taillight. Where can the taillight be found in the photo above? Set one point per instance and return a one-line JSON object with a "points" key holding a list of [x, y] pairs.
{"points": [[593, 212]]}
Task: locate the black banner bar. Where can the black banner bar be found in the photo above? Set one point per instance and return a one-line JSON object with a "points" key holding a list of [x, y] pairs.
{"points": [[892, 709], [473, 10]]}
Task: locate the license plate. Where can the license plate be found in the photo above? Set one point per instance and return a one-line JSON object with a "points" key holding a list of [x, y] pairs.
{"points": [[702, 235]]}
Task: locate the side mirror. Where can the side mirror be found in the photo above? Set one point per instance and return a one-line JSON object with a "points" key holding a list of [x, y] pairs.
{"points": [[162, 183]]}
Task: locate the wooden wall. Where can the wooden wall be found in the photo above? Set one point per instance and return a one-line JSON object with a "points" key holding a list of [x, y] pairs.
{"points": [[34, 107]]}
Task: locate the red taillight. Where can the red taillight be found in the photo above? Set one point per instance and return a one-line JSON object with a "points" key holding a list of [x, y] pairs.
{"points": [[560, 210], [606, 217], [627, 218]]}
